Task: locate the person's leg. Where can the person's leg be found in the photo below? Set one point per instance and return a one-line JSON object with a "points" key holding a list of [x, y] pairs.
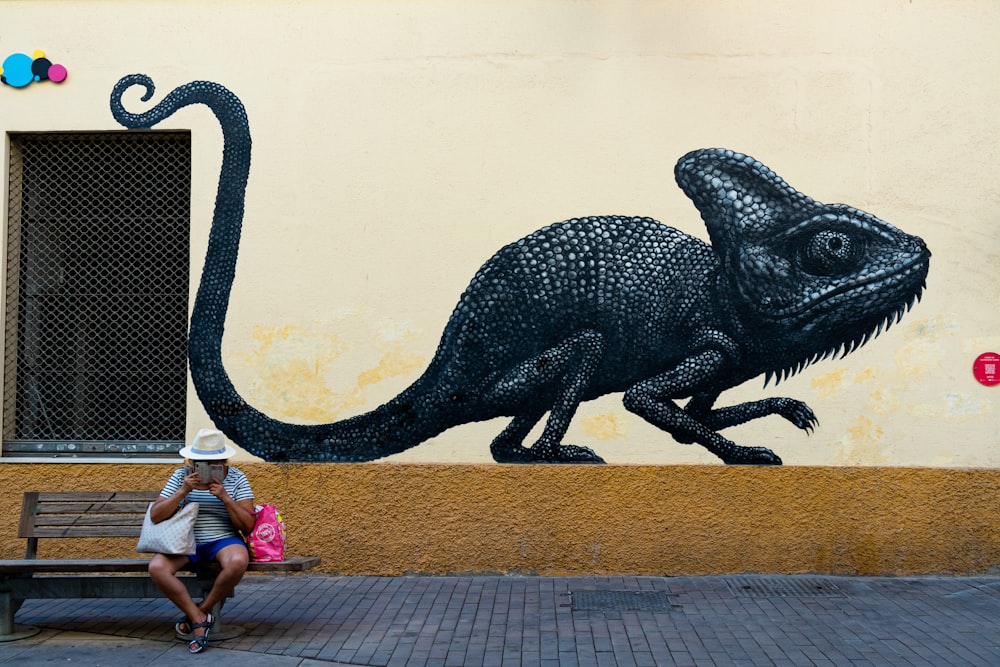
{"points": [[233, 559], [163, 571]]}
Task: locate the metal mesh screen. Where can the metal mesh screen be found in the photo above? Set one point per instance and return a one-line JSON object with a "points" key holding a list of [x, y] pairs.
{"points": [[97, 293]]}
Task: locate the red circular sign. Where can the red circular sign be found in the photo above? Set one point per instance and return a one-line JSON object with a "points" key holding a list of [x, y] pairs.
{"points": [[987, 368]]}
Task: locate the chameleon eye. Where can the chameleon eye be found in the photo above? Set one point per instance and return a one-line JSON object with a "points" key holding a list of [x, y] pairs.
{"points": [[830, 253]]}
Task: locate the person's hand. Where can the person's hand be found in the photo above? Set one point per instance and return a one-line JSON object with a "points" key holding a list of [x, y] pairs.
{"points": [[191, 481], [216, 489]]}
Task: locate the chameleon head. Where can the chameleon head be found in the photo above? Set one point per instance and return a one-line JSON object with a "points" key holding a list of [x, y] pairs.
{"points": [[814, 276]]}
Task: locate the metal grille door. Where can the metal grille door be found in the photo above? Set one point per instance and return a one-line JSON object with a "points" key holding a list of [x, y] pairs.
{"points": [[97, 293]]}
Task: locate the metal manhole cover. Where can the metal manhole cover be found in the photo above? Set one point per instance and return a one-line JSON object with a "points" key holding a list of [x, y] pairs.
{"points": [[785, 587], [621, 601]]}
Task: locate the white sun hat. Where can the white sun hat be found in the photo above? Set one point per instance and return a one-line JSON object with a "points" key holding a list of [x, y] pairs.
{"points": [[208, 445]]}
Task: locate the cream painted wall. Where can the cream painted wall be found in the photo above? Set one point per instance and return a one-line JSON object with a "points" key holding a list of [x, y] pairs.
{"points": [[397, 145]]}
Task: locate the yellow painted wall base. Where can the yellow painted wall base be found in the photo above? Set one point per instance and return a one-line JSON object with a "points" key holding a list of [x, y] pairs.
{"points": [[387, 519]]}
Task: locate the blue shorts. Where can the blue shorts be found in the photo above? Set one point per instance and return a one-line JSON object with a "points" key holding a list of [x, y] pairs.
{"points": [[209, 550]]}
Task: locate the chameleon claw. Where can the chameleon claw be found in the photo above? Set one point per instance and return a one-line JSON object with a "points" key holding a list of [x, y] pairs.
{"points": [[798, 413]]}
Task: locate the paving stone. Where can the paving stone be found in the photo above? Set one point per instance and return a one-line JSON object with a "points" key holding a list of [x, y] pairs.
{"points": [[308, 620]]}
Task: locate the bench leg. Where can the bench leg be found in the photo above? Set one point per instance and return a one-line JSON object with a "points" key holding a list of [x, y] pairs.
{"points": [[8, 630], [222, 631]]}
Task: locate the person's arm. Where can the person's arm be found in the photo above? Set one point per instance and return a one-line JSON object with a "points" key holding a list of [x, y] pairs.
{"points": [[240, 511], [165, 506]]}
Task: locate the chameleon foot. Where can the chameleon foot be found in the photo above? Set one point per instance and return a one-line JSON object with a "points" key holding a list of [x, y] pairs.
{"points": [[797, 413], [751, 456], [546, 454], [574, 454]]}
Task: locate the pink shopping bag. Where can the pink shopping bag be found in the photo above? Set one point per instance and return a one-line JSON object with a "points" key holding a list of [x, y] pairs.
{"points": [[267, 539]]}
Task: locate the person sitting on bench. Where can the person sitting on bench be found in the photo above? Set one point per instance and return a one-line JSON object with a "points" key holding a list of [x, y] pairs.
{"points": [[226, 506]]}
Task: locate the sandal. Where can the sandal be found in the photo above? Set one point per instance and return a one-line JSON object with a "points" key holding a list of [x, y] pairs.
{"points": [[199, 644], [182, 628]]}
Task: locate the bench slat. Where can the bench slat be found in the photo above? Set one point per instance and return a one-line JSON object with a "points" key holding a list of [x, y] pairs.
{"points": [[95, 496], [61, 587], [74, 565], [87, 531], [124, 507], [290, 564], [87, 520]]}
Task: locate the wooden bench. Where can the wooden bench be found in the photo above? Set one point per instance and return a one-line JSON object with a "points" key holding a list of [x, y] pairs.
{"points": [[97, 514]]}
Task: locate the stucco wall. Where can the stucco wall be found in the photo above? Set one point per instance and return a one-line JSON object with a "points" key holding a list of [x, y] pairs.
{"points": [[553, 520], [397, 145]]}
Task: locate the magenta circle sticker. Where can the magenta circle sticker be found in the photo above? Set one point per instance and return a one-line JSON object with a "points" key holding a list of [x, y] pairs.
{"points": [[987, 368], [57, 73]]}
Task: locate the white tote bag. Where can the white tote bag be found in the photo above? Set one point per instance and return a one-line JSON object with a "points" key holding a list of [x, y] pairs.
{"points": [[173, 536]]}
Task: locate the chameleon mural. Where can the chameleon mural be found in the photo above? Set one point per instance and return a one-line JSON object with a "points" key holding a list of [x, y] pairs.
{"points": [[591, 306]]}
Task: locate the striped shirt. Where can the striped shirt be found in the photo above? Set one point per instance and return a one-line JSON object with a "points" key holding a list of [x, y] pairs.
{"points": [[213, 518]]}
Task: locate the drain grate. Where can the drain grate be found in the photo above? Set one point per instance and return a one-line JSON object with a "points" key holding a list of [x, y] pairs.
{"points": [[785, 587], [621, 601]]}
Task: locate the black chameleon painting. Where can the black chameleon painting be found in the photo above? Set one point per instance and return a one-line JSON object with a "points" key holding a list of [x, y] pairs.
{"points": [[592, 306]]}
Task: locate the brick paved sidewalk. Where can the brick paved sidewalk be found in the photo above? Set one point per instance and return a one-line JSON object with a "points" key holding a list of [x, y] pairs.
{"points": [[524, 621]]}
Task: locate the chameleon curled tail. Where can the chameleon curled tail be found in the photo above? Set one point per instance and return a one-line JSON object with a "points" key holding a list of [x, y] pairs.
{"points": [[245, 425]]}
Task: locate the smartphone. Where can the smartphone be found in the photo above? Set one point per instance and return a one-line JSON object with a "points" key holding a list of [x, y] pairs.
{"points": [[206, 471]]}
